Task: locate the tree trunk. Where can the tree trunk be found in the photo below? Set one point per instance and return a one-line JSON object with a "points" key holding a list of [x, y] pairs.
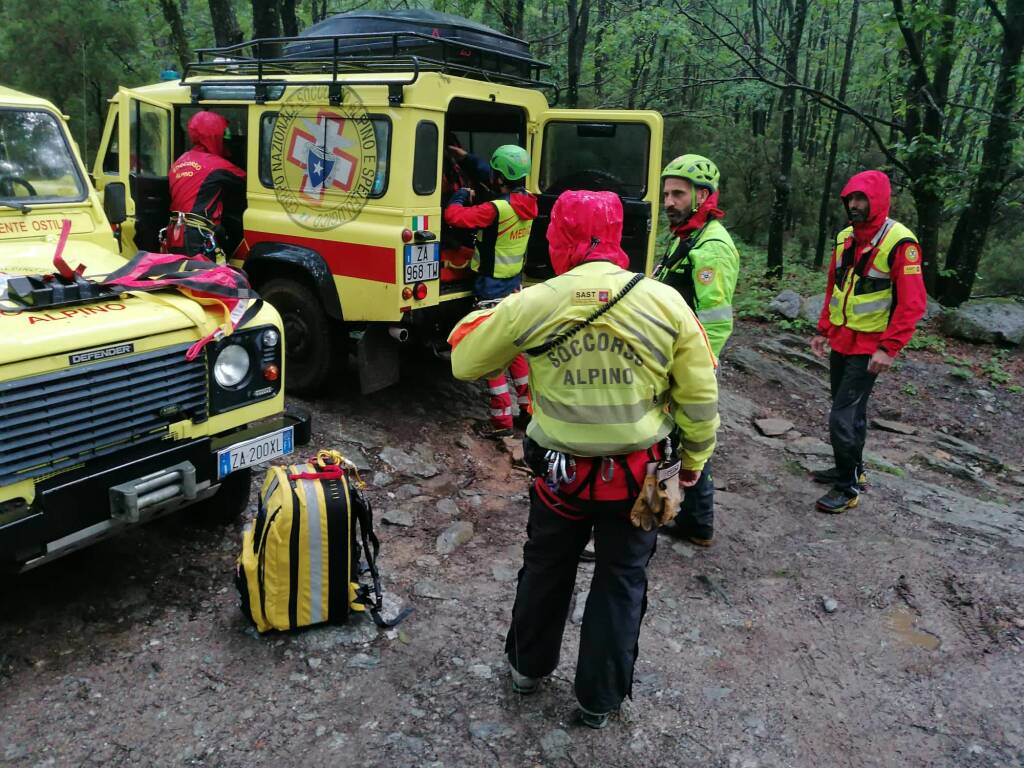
{"points": [[226, 30], [600, 59], [266, 20], [972, 227], [578, 13], [759, 117], [289, 21], [783, 182], [179, 40], [833, 147]]}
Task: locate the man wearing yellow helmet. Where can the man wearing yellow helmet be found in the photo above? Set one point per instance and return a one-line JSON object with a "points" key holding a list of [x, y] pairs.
{"points": [[702, 264]]}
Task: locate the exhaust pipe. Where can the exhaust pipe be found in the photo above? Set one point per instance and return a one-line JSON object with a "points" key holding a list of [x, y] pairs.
{"points": [[399, 334]]}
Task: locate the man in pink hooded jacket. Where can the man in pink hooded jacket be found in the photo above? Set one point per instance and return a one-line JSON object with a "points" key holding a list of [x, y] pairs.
{"points": [[617, 363]]}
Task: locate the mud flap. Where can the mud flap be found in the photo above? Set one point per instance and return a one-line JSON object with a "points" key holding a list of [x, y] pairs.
{"points": [[376, 358]]}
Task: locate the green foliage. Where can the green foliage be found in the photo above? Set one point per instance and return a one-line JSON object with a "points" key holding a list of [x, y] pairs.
{"points": [[928, 342], [962, 373], [755, 291], [910, 390], [995, 371]]}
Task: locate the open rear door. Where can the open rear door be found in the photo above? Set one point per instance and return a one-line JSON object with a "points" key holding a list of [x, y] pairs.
{"points": [[137, 142], [606, 150]]}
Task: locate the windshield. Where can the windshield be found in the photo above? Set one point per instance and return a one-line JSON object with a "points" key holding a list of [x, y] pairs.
{"points": [[36, 164]]}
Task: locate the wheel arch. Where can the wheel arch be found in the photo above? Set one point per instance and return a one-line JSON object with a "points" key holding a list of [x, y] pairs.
{"points": [[267, 261]]}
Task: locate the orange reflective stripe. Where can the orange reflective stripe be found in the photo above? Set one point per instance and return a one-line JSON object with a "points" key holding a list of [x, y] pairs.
{"points": [[464, 330]]}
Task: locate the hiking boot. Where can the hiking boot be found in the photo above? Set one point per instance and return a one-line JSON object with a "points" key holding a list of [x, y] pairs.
{"points": [[522, 684], [588, 555], [595, 720], [831, 477], [494, 433], [698, 534], [522, 420], [838, 500]]}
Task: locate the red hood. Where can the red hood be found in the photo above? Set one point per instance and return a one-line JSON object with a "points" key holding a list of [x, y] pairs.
{"points": [[586, 226], [524, 204], [206, 131], [875, 186]]}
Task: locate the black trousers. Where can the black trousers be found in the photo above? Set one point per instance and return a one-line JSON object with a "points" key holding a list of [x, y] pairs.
{"points": [[699, 501], [615, 607], [848, 419]]}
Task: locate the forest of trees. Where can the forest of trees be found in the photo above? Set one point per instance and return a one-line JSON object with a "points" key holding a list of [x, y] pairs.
{"points": [[789, 97]]}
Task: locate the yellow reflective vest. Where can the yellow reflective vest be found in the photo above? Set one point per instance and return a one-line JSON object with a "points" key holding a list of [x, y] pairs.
{"points": [[616, 386], [501, 247], [862, 292]]}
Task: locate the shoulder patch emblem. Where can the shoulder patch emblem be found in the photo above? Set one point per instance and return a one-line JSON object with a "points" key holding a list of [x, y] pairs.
{"points": [[591, 296], [706, 276], [912, 253], [912, 269]]}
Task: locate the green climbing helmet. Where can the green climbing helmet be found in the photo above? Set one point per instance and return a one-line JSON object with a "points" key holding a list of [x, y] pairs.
{"points": [[695, 168], [511, 161]]}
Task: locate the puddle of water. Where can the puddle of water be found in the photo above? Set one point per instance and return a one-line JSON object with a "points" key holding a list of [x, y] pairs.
{"points": [[902, 623]]}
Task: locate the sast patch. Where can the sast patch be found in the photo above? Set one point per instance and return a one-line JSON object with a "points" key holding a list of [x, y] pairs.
{"points": [[706, 276], [597, 296], [912, 269], [912, 253]]}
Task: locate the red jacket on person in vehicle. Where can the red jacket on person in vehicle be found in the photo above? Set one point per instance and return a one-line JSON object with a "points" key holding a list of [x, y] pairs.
{"points": [[909, 296], [203, 181]]}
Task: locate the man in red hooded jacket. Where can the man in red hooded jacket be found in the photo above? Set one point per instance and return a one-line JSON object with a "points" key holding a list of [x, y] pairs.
{"points": [[204, 186], [874, 299], [608, 351]]}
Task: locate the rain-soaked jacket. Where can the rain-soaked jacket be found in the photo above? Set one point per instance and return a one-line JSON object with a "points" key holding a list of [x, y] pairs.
{"points": [[202, 180], [620, 383], [879, 295], [702, 263]]}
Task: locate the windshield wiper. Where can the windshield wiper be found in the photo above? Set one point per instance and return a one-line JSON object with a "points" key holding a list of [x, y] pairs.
{"points": [[16, 206]]}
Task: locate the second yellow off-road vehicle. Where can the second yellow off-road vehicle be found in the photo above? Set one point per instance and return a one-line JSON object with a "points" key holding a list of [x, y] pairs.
{"points": [[103, 421], [342, 132]]}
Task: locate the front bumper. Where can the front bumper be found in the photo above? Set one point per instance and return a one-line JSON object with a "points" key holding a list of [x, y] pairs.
{"points": [[76, 507]]}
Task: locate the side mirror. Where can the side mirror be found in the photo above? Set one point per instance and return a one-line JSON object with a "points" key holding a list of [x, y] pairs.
{"points": [[114, 202]]}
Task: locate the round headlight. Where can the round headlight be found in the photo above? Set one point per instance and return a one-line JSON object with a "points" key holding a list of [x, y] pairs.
{"points": [[232, 365], [271, 337]]}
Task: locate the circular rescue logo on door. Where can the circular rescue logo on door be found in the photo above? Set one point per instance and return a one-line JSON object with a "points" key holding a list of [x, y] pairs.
{"points": [[323, 157]]}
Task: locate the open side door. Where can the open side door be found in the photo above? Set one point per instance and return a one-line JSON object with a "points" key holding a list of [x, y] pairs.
{"points": [[605, 150], [136, 151]]}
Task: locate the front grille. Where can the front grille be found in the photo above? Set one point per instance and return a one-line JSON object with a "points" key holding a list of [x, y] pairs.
{"points": [[57, 420]]}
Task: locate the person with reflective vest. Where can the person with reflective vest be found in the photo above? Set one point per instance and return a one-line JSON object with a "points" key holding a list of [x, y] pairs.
{"points": [[618, 364], [205, 186], [874, 299], [503, 231], [702, 263]]}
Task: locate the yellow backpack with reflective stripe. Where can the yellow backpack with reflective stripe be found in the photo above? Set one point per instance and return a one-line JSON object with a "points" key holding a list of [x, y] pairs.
{"points": [[299, 564]]}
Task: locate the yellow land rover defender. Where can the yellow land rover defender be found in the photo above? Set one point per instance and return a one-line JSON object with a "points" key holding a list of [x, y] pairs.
{"points": [[344, 133], [103, 421]]}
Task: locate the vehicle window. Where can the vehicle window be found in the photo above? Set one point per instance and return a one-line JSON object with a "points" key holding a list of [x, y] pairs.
{"points": [[424, 165], [322, 137], [610, 156], [36, 161], [150, 140], [236, 140], [110, 158]]}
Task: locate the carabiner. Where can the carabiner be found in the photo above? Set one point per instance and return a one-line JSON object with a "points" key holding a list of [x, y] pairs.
{"points": [[607, 468]]}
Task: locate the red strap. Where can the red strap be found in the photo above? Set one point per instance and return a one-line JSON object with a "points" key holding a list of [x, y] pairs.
{"points": [[327, 472], [58, 258]]}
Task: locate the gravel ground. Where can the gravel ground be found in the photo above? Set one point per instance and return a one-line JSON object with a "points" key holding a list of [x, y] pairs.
{"points": [[889, 636]]}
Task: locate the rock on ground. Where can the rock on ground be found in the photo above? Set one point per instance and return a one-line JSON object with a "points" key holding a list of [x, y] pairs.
{"points": [[787, 304], [987, 321]]}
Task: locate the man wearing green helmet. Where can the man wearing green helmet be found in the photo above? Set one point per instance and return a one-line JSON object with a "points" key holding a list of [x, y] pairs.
{"points": [[702, 263], [502, 233]]}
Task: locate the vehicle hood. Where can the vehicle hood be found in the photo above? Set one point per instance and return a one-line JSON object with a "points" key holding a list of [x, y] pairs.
{"points": [[33, 333]]}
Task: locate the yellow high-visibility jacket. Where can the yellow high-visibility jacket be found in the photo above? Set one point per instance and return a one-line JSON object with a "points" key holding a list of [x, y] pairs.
{"points": [[616, 386]]}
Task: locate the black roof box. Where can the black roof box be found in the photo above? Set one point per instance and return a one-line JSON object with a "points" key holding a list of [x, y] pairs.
{"points": [[431, 35]]}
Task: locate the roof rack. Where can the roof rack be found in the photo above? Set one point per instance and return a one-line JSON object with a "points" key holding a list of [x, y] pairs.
{"points": [[266, 60]]}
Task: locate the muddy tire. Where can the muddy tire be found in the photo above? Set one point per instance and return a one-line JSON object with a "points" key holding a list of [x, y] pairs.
{"points": [[307, 335], [228, 504]]}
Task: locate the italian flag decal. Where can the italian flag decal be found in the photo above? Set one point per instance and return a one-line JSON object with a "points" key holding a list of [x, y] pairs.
{"points": [[420, 222]]}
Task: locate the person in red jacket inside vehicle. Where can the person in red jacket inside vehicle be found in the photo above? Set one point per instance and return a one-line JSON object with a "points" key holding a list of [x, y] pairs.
{"points": [[874, 300], [205, 186]]}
